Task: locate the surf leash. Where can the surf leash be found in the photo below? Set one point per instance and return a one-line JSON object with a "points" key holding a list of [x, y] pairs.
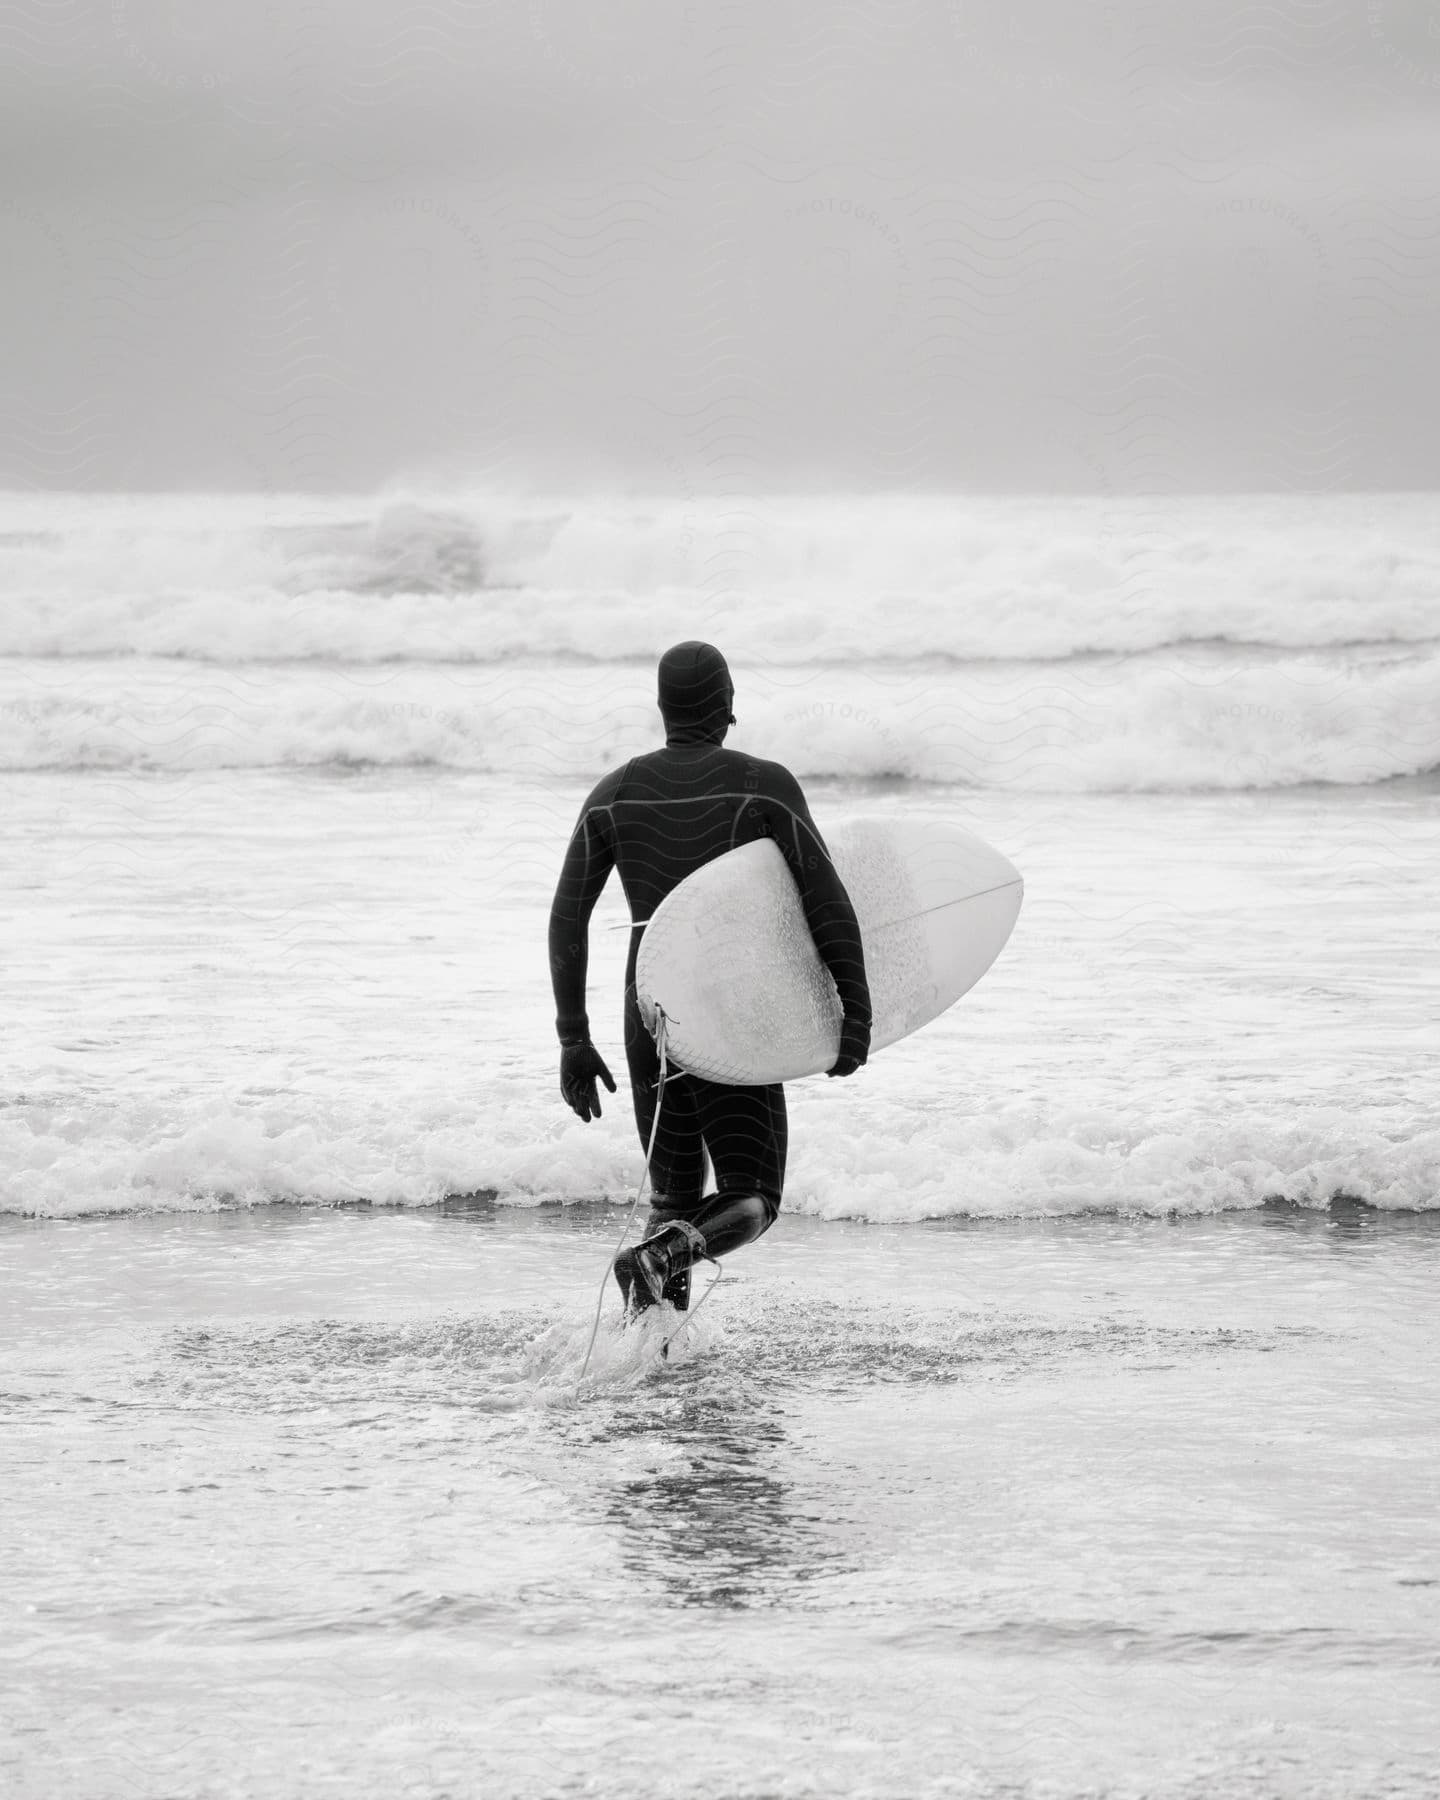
{"points": [[690, 1312], [660, 1025]]}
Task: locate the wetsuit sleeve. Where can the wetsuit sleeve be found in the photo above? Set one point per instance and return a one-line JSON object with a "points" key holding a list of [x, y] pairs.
{"points": [[589, 858], [828, 908]]}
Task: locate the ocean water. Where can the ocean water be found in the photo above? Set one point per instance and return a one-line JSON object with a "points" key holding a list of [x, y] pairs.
{"points": [[301, 1501], [1072, 1433], [287, 783]]}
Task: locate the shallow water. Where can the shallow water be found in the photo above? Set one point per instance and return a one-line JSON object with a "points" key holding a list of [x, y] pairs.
{"points": [[306, 1501], [330, 986]]}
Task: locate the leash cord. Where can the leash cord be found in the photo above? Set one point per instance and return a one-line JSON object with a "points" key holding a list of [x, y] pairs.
{"points": [[660, 1023], [690, 1313]]}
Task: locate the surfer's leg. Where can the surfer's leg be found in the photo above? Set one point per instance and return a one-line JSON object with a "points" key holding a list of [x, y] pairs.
{"points": [[727, 1221], [677, 1163], [658, 1268], [746, 1133]]}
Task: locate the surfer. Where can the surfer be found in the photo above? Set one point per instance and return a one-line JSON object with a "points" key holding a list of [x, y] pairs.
{"points": [[658, 819]]}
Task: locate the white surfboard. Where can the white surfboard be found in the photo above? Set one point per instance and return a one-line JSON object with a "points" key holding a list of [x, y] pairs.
{"points": [[747, 1000]]}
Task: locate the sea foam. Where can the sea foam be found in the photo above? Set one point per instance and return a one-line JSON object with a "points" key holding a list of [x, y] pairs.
{"points": [[843, 580], [1188, 718], [880, 1161], [1097, 643]]}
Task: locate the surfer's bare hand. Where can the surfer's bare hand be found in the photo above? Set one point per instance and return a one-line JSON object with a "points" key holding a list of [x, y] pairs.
{"points": [[854, 1048], [580, 1064]]}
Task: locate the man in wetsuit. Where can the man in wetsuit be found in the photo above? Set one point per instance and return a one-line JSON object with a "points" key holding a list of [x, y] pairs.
{"points": [[657, 819]]}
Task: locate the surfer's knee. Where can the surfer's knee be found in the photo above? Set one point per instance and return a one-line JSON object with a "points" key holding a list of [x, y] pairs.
{"points": [[768, 1207], [728, 1220]]}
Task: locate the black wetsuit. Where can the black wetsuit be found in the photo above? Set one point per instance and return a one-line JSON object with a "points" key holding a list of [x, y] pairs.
{"points": [[658, 819]]}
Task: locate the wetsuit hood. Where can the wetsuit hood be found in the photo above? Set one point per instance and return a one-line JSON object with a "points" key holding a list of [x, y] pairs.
{"points": [[695, 694]]}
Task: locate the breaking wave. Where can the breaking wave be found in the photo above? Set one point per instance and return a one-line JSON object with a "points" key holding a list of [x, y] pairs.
{"points": [[1205, 718], [834, 581], [880, 1160]]}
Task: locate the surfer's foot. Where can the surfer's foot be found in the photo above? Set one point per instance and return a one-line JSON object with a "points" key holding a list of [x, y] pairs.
{"points": [[677, 1288], [659, 1268]]}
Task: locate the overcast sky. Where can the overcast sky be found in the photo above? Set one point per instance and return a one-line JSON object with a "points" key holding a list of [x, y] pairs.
{"points": [[655, 244]]}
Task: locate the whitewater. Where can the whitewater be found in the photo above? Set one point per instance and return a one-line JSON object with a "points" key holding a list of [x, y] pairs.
{"points": [[287, 781], [1084, 644]]}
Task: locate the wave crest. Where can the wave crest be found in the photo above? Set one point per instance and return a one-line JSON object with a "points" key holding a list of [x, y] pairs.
{"points": [[1196, 721], [1018, 1161], [857, 581]]}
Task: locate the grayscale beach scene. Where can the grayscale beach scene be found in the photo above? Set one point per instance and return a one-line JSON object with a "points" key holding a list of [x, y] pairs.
{"points": [[1034, 414]]}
